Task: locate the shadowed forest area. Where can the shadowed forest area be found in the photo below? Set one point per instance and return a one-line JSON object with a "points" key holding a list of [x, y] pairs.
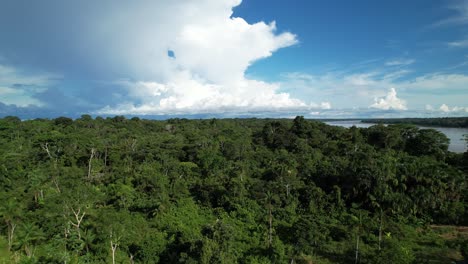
{"points": [[120, 190]]}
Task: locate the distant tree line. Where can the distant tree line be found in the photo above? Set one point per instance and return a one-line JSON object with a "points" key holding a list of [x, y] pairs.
{"points": [[435, 122]]}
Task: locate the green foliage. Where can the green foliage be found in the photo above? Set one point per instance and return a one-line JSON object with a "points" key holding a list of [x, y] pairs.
{"points": [[226, 191], [395, 251]]}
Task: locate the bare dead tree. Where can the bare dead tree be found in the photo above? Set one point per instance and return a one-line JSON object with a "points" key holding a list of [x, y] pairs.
{"points": [[45, 147], [133, 146], [78, 218], [270, 231], [357, 239], [114, 243], [91, 156], [380, 229], [11, 233]]}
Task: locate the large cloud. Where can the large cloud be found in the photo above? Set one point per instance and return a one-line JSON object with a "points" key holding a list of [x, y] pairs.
{"points": [[110, 41], [210, 52]]}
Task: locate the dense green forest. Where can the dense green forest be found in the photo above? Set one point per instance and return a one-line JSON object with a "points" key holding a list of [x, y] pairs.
{"points": [[438, 122], [120, 190]]}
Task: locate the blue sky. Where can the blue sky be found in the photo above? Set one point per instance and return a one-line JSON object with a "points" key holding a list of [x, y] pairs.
{"points": [[320, 59]]}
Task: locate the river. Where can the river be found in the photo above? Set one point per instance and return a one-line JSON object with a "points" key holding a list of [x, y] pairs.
{"points": [[457, 144]]}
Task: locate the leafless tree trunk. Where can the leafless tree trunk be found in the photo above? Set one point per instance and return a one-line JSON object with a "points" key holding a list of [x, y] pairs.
{"points": [[133, 145], [11, 233], [380, 229], [270, 222], [93, 153], [357, 249], [114, 246], [45, 147], [357, 239], [105, 158], [79, 218]]}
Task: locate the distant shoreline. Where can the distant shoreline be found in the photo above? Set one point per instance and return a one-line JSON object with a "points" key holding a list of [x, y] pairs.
{"points": [[455, 122]]}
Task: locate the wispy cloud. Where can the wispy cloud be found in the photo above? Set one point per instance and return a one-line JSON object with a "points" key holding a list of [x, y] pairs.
{"points": [[400, 62], [459, 44], [462, 64], [459, 17], [19, 88]]}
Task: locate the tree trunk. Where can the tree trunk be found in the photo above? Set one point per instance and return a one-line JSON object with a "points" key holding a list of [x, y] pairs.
{"points": [[29, 250], [11, 232], [45, 147], [357, 249], [79, 219], [380, 229], [93, 152], [105, 159], [113, 248], [270, 232], [357, 238]]}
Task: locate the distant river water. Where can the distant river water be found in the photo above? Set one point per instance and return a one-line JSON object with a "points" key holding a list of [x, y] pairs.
{"points": [[457, 144]]}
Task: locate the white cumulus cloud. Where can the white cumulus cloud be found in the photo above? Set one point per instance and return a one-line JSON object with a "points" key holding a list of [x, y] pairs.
{"points": [[210, 52], [447, 109], [390, 101]]}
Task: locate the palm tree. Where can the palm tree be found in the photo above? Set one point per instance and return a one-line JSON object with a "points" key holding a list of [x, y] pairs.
{"points": [[28, 236], [10, 211], [88, 238]]}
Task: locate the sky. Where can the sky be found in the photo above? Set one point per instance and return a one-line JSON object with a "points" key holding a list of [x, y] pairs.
{"points": [[233, 58]]}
